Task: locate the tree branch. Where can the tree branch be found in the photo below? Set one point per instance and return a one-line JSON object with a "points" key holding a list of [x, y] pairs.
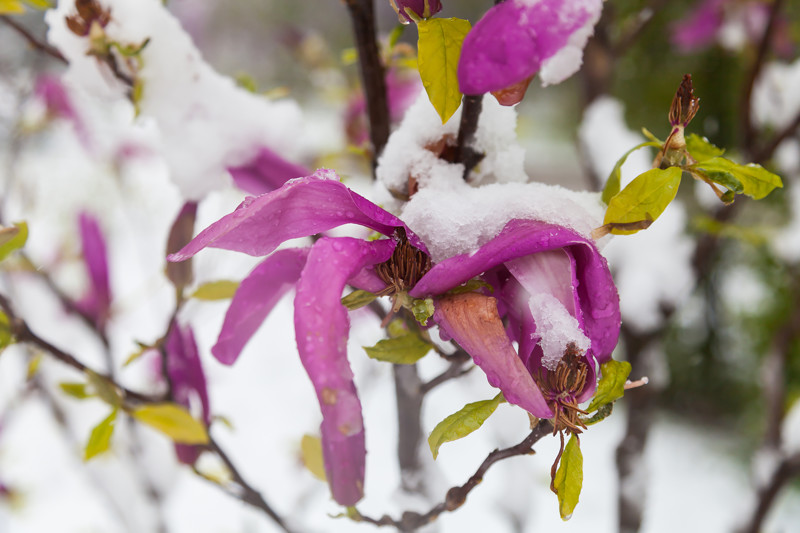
{"points": [[470, 113], [787, 469], [456, 496], [32, 40], [372, 74]]}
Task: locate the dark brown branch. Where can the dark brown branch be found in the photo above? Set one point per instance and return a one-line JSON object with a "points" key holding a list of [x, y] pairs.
{"points": [[408, 390], [765, 152], [748, 129], [456, 496], [786, 470], [372, 73], [465, 154], [248, 494], [22, 333], [32, 40]]}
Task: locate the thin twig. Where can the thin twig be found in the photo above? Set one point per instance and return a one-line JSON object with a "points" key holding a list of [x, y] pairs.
{"points": [[765, 152], [786, 470], [249, 495], [455, 370], [32, 40], [372, 73], [456, 496]]}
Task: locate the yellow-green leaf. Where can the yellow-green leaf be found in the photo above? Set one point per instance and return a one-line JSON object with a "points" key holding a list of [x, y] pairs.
{"points": [[5, 332], [439, 48], [611, 386], [757, 182], [569, 478], [17, 239], [105, 389], [404, 350], [311, 450], [216, 290], [422, 310], [462, 423], [143, 349], [358, 299], [39, 4], [11, 6], [100, 438], [645, 198], [701, 149], [174, 421], [33, 365], [77, 390], [613, 182]]}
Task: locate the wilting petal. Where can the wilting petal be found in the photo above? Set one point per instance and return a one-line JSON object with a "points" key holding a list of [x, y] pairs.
{"points": [[321, 327], [255, 298], [266, 172], [97, 302], [472, 320], [596, 293], [188, 380], [300, 208], [513, 39]]}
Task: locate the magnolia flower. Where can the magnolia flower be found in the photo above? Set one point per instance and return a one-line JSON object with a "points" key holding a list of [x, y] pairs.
{"points": [[96, 303], [551, 284], [518, 38], [266, 172], [408, 10], [188, 381]]}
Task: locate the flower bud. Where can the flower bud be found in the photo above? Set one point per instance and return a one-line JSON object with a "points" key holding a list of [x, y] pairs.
{"points": [[408, 10]]}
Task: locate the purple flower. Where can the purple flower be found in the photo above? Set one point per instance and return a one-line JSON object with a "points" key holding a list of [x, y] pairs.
{"points": [[58, 104], [699, 28], [533, 266], [266, 172], [518, 38], [408, 10], [188, 381], [96, 303]]}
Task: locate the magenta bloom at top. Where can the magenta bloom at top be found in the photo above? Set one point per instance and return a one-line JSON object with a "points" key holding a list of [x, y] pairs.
{"points": [[266, 172], [518, 38], [408, 9], [550, 283]]}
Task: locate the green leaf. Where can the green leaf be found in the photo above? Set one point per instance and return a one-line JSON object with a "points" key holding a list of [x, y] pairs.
{"points": [[5, 332], [439, 49], [601, 414], [39, 4], [569, 478], [647, 133], [216, 290], [17, 239], [107, 391], [471, 286], [750, 235], [700, 149], [11, 6], [423, 310], [174, 421], [358, 299], [77, 390], [462, 423], [644, 198], [726, 179], [757, 182], [613, 182], [33, 366], [311, 450], [100, 438], [614, 374], [404, 350]]}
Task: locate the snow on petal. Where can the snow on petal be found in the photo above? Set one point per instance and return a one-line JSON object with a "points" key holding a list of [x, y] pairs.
{"points": [[254, 300], [321, 327], [514, 38], [300, 208], [472, 320]]}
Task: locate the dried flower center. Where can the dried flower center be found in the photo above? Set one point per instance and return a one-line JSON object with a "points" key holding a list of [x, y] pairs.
{"points": [[684, 105], [406, 266], [88, 12], [560, 388]]}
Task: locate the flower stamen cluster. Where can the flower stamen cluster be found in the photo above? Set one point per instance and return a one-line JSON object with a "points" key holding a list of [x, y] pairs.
{"points": [[561, 387], [406, 266]]}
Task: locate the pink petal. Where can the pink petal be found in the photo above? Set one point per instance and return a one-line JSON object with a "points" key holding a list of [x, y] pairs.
{"points": [[510, 42], [301, 207], [97, 301], [255, 298], [321, 328], [472, 320], [596, 293], [266, 172]]}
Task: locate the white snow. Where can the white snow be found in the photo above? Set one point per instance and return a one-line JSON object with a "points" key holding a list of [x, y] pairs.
{"points": [[206, 122], [776, 100], [569, 59]]}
